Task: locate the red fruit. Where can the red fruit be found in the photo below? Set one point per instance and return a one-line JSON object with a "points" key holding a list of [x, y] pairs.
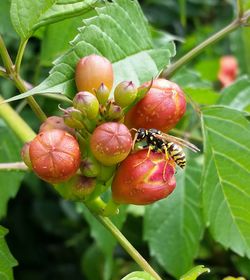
{"points": [[161, 108], [228, 70], [55, 122], [111, 143], [92, 71], [140, 180], [55, 155]]}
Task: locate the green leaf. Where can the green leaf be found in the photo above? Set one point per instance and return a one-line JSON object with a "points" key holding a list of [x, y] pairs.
{"points": [[6, 28], [28, 15], [173, 226], [53, 45], [138, 275], [7, 261], [10, 147], [195, 272], [204, 96], [226, 192], [120, 33], [237, 95]]}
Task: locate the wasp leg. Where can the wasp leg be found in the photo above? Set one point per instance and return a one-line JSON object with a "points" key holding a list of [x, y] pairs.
{"points": [[150, 148], [134, 140], [166, 163]]}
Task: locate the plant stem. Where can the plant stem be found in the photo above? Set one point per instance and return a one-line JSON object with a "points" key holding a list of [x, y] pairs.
{"points": [[167, 73], [16, 123], [240, 8], [14, 166], [127, 246], [14, 76], [20, 55]]}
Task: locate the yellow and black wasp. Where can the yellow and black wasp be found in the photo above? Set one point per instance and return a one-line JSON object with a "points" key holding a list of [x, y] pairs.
{"points": [[157, 141]]}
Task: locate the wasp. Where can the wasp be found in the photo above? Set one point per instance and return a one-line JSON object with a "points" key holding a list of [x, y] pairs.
{"points": [[157, 141]]}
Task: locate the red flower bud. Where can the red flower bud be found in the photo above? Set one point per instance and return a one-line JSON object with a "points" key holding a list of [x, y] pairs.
{"points": [[111, 143], [228, 70], [92, 71], [140, 180], [55, 155], [161, 108], [55, 122]]}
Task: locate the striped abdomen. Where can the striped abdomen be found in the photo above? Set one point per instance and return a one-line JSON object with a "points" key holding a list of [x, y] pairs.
{"points": [[177, 154]]}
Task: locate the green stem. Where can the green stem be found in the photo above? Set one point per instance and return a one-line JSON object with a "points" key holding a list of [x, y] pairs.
{"points": [[13, 75], [167, 73], [15, 122], [3, 73], [5, 57], [112, 208], [20, 55], [19, 166], [127, 246], [240, 8]]}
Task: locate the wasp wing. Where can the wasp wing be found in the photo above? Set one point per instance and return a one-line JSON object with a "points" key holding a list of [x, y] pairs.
{"points": [[178, 141]]}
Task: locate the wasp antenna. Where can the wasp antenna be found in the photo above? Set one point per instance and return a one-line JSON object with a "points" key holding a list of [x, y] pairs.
{"points": [[133, 129]]}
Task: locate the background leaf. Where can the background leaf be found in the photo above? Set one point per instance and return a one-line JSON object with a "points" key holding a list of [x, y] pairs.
{"points": [[7, 261], [237, 95], [173, 226], [10, 148], [118, 32], [226, 193], [195, 272], [28, 15], [138, 275]]}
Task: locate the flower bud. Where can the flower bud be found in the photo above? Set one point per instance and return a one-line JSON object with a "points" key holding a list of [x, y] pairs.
{"points": [[102, 94], [125, 93], [77, 188], [73, 118], [55, 122], [114, 112], [141, 179], [92, 71], [55, 155], [110, 143], [26, 155], [90, 167], [87, 103], [161, 108]]}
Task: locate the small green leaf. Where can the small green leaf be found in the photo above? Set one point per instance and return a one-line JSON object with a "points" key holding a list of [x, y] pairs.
{"points": [[226, 173], [7, 261], [138, 275], [194, 273], [28, 15], [204, 96], [10, 148], [174, 226], [237, 95], [120, 33]]}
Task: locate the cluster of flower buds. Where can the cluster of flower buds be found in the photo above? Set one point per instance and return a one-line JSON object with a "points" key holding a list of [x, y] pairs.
{"points": [[92, 142]]}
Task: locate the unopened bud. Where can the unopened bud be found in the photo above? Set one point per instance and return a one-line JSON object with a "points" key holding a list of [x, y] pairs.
{"points": [[125, 93], [115, 112], [55, 122], [73, 118], [102, 94], [90, 167], [87, 103]]}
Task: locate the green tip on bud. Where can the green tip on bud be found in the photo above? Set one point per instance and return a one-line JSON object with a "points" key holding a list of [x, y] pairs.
{"points": [[102, 94], [87, 103], [125, 93], [73, 117]]}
